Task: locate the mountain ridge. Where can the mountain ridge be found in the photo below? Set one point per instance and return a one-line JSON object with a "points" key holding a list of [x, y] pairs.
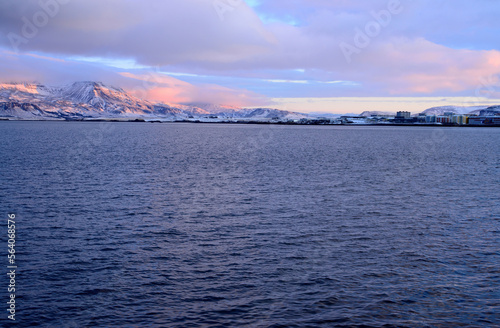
{"points": [[89, 99], [458, 110]]}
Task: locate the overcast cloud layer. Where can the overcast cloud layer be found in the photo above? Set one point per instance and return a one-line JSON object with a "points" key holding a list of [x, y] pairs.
{"points": [[247, 53]]}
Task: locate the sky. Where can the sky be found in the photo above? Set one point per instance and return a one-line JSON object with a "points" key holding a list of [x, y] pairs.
{"points": [[332, 56]]}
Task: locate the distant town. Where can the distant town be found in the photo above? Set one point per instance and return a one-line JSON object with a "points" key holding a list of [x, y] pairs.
{"points": [[95, 101], [487, 117], [406, 118]]}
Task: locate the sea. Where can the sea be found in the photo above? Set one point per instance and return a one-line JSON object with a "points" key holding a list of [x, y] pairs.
{"points": [[239, 225]]}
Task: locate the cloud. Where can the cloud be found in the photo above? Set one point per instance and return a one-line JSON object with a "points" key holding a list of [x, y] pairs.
{"points": [[418, 51], [153, 32], [146, 84], [163, 88], [44, 69]]}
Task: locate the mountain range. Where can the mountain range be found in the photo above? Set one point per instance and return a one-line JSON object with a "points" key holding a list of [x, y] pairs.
{"points": [[90, 100], [95, 100], [461, 110], [457, 110]]}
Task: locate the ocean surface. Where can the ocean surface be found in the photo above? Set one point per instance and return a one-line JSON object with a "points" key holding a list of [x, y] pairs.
{"points": [[212, 225]]}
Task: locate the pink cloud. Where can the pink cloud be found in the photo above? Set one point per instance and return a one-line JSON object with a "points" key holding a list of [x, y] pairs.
{"points": [[154, 32], [162, 88], [422, 67], [410, 56], [151, 85]]}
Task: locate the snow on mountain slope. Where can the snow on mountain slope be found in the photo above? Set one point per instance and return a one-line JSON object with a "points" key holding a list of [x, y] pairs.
{"points": [[77, 100], [21, 110], [490, 111], [262, 113], [9, 88], [204, 109], [96, 100], [453, 109], [104, 98], [19, 92], [376, 113]]}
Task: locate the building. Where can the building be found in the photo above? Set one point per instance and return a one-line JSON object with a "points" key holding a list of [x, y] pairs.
{"points": [[443, 119], [403, 115], [484, 120], [421, 118], [430, 119], [460, 119]]}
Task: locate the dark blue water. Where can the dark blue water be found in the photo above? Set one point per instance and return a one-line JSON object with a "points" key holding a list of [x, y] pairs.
{"points": [[178, 225]]}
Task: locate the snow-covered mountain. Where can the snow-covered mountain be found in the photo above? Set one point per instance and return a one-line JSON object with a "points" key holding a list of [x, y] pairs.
{"points": [[459, 110], [376, 113], [205, 108], [89, 99], [261, 113], [102, 98], [77, 100], [490, 111]]}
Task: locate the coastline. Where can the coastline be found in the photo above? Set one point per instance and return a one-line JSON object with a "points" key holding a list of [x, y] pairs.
{"points": [[141, 120]]}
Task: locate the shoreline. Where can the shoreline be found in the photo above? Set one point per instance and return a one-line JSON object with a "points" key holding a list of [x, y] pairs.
{"points": [[139, 120]]}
